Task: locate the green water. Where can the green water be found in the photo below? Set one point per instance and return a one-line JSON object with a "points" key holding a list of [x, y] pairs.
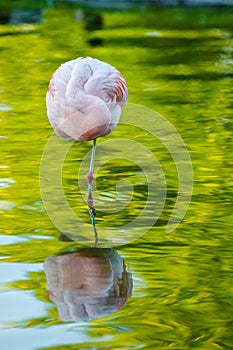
{"points": [[177, 63]]}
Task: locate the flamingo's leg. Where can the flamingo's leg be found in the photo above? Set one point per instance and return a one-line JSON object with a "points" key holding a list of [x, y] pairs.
{"points": [[90, 201]]}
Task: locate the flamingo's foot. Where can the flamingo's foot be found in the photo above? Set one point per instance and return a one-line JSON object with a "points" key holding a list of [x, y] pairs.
{"points": [[92, 212]]}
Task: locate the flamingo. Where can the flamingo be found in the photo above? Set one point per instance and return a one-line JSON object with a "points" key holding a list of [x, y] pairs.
{"points": [[84, 101]]}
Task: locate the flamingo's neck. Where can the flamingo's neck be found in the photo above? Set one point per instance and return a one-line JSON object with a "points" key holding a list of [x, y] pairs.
{"points": [[75, 91]]}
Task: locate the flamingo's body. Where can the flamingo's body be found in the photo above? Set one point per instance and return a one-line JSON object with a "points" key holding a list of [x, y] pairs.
{"points": [[84, 99]]}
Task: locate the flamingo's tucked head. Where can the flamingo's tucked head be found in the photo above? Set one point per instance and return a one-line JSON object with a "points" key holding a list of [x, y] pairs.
{"points": [[93, 121]]}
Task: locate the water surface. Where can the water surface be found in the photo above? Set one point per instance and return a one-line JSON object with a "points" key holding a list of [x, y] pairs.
{"points": [[163, 290]]}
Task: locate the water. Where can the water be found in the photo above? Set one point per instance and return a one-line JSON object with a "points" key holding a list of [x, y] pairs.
{"points": [[164, 290]]}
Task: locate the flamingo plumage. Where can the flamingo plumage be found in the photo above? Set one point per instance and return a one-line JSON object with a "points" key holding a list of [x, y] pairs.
{"points": [[84, 101]]}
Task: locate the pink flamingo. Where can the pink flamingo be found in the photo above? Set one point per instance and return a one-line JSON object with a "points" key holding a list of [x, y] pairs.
{"points": [[84, 101]]}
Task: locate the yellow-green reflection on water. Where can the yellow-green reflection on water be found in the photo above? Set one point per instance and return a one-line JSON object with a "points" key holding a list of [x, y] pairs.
{"points": [[178, 63]]}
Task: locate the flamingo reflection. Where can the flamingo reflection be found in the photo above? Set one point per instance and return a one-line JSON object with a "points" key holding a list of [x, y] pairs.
{"points": [[88, 283]]}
